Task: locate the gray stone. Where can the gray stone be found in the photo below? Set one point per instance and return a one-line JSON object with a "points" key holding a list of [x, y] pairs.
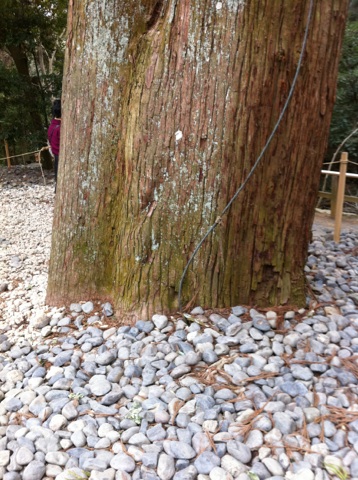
{"points": [[106, 358], [293, 388], [109, 474], [284, 423], [150, 459], [166, 467], [107, 309], [57, 458], [311, 414], [301, 373], [57, 422], [12, 476], [156, 433], [260, 470], [238, 311], [78, 439], [4, 458], [89, 464], [232, 466], [189, 473], [179, 371], [69, 411], [124, 462], [218, 473], [260, 323], [87, 307], [239, 451], [254, 440], [39, 321], [160, 321], [99, 385], [115, 375], [12, 404], [273, 466], [24, 456], [206, 462], [35, 470], [63, 358], [76, 307], [179, 449], [209, 356], [138, 439], [354, 468]]}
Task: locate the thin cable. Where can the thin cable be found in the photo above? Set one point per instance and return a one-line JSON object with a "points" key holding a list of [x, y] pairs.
{"points": [[242, 186]]}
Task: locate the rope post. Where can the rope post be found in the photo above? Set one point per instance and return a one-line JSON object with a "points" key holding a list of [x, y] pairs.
{"points": [[7, 154], [340, 196], [334, 196], [38, 158]]}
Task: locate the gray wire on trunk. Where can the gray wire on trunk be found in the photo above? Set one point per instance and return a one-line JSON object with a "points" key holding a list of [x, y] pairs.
{"points": [[244, 183]]}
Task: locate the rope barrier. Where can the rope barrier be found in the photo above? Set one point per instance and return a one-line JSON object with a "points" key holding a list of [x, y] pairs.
{"points": [[27, 153], [242, 186], [331, 163], [338, 161]]}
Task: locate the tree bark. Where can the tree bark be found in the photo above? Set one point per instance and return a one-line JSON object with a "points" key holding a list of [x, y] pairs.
{"points": [[22, 66], [166, 106]]}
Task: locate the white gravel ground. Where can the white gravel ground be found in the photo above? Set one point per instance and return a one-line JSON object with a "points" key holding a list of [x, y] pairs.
{"points": [[250, 395]]}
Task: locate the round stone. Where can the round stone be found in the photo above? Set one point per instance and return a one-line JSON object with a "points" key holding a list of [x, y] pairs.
{"points": [[99, 385], [239, 450], [206, 462], [179, 449], [218, 473], [87, 307], [57, 422], [24, 456], [165, 467], [124, 462], [35, 470]]}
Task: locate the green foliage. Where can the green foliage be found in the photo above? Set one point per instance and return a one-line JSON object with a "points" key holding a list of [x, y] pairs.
{"points": [[134, 413], [75, 476], [345, 118], [353, 10], [32, 34], [252, 475], [75, 396], [336, 470], [15, 120]]}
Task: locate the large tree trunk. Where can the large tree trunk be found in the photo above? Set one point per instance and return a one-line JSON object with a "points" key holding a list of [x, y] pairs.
{"points": [[167, 105]]}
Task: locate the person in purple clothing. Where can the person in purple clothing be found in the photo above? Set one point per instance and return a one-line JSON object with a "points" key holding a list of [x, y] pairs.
{"points": [[53, 134]]}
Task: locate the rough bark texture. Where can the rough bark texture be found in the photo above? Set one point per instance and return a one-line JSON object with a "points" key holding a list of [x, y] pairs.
{"points": [[167, 105]]}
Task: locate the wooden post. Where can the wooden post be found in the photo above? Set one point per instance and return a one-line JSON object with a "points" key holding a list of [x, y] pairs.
{"points": [[7, 154], [340, 196], [334, 196]]}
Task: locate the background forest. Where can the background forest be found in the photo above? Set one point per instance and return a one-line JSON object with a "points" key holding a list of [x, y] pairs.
{"points": [[32, 40]]}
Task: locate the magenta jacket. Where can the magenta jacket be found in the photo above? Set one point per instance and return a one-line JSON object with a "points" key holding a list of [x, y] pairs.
{"points": [[53, 135]]}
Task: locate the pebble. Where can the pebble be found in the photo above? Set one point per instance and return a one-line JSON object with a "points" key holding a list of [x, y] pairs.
{"points": [[79, 396]]}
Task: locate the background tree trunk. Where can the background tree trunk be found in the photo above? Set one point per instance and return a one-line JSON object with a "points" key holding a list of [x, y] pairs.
{"points": [[20, 59], [166, 106]]}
